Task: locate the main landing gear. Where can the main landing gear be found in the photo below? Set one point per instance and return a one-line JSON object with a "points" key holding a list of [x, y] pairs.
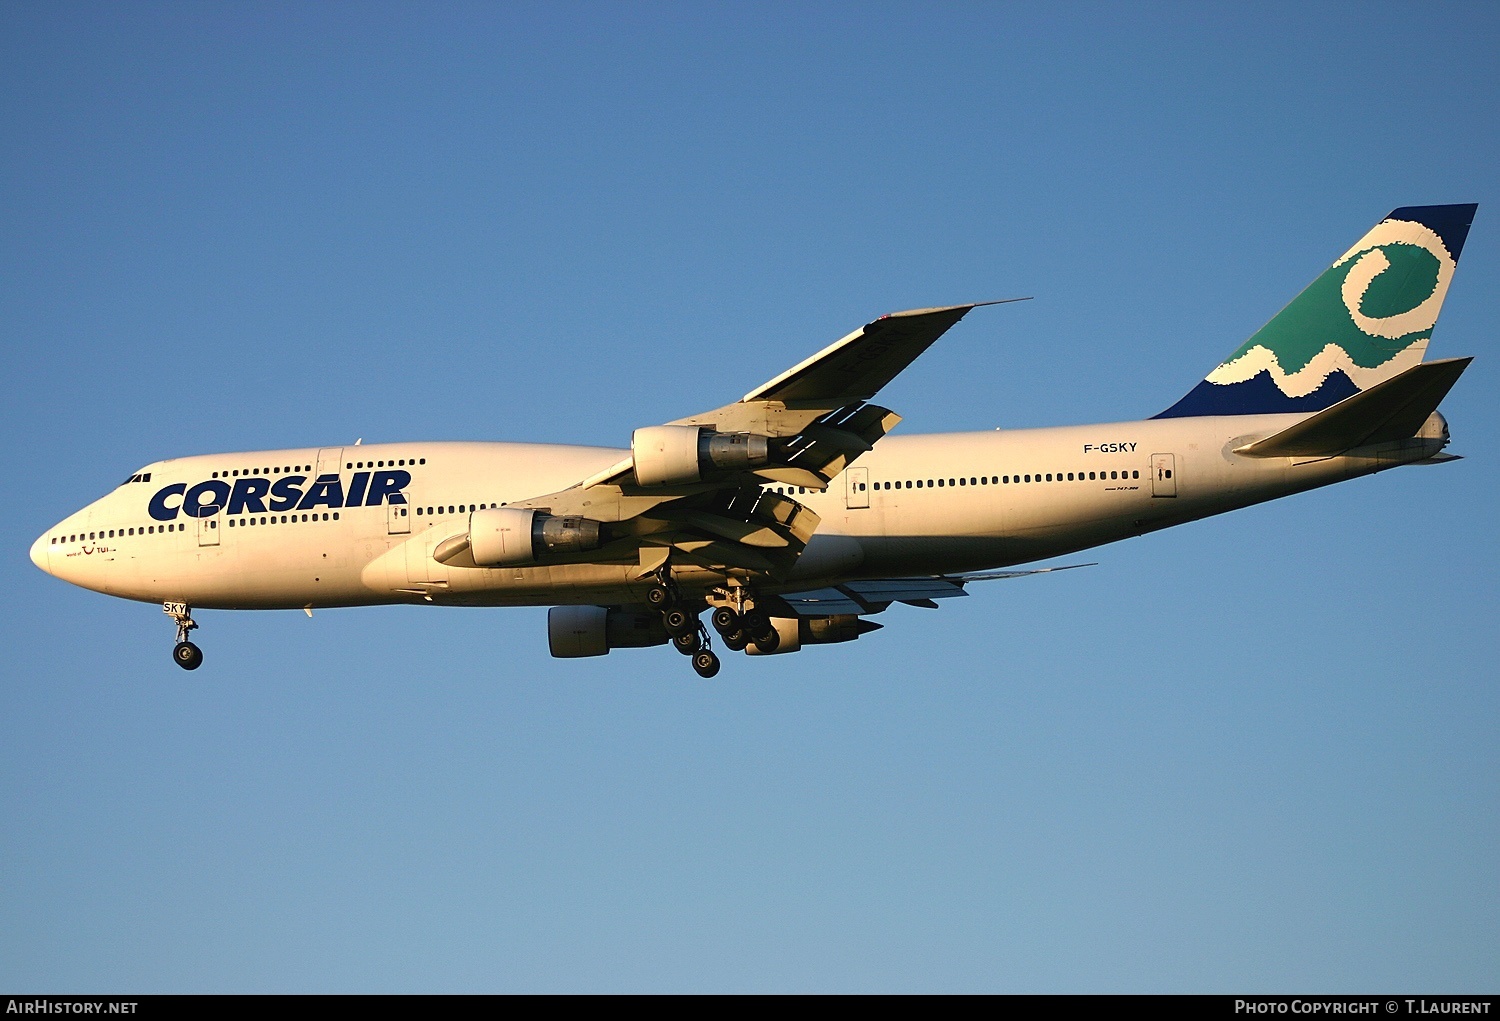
{"points": [[688, 634], [185, 654], [740, 629], [739, 625]]}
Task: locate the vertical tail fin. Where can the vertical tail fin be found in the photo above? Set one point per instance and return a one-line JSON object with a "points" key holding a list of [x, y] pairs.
{"points": [[1365, 320]]}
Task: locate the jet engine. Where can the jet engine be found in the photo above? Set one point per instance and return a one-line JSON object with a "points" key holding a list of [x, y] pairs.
{"points": [[796, 632], [515, 536], [667, 455], [574, 631]]}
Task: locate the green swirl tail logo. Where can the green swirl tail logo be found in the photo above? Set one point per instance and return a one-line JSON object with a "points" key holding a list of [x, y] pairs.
{"points": [[1364, 320]]}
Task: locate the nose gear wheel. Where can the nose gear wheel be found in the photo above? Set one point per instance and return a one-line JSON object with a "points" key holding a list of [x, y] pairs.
{"points": [[185, 654]]}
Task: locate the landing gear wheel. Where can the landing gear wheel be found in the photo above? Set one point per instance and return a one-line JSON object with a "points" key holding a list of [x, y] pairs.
{"points": [[658, 597], [769, 642], [757, 626], [678, 621], [725, 620], [187, 655], [705, 663], [688, 643], [736, 641]]}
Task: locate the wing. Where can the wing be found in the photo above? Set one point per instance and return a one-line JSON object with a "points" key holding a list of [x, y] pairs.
{"points": [[855, 367], [875, 595], [817, 408], [693, 490]]}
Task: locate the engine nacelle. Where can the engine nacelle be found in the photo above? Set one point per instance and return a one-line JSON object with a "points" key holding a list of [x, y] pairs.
{"points": [[515, 536], [796, 632], [575, 631], [669, 455]]}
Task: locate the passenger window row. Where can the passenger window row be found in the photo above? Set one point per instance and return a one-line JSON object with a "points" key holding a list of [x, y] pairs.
{"points": [[246, 522], [303, 468], [272, 519], [400, 462], [462, 508], [121, 533], [113, 533], [283, 470], [1005, 480], [982, 480]]}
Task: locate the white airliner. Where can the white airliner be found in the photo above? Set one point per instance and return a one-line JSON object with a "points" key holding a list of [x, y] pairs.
{"points": [[789, 513]]}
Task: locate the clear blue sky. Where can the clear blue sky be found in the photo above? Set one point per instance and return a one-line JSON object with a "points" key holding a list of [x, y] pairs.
{"points": [[1255, 753]]}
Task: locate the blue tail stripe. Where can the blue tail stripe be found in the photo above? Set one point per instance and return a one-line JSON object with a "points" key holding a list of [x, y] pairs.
{"points": [[1258, 395]]}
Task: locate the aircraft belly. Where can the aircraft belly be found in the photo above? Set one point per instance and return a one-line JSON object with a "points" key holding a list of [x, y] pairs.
{"points": [[566, 584], [896, 555], [831, 555]]}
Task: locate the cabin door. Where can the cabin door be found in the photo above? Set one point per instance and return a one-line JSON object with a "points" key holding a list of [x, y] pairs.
{"points": [[397, 521], [329, 459], [857, 488], [1163, 475], [208, 527]]}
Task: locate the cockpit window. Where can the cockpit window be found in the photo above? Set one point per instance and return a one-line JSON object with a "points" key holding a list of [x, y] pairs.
{"points": [[138, 477]]}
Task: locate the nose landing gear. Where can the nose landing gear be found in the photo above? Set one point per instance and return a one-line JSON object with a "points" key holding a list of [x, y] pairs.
{"points": [[185, 654]]}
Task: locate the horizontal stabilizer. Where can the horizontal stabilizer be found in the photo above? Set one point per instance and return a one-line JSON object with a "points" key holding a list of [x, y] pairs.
{"points": [[1387, 412]]}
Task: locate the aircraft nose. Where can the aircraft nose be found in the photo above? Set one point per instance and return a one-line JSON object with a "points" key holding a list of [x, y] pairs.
{"points": [[39, 554]]}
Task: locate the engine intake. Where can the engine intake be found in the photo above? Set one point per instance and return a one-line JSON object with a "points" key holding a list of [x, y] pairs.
{"points": [[667, 455], [576, 631], [515, 536]]}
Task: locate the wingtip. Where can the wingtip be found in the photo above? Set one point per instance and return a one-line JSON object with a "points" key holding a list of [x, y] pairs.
{"points": [[964, 308]]}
